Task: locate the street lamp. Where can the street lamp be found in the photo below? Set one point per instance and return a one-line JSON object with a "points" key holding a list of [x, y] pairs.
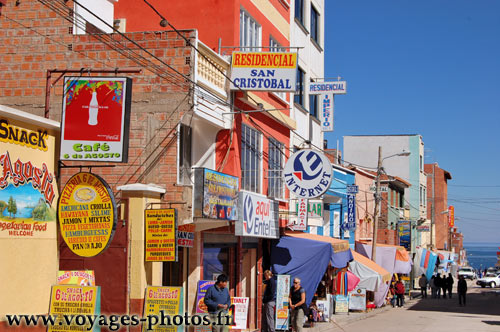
{"points": [[377, 195]]}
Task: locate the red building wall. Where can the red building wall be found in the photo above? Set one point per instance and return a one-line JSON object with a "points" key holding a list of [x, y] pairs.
{"points": [[440, 201]]}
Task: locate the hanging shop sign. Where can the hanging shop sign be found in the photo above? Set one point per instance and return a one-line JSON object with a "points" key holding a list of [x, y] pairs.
{"points": [[240, 312], [96, 119], [308, 173], [87, 214], [341, 304], [338, 87], [28, 189], [424, 228], [266, 71], [282, 306], [162, 302], [161, 228], [300, 224], [258, 216], [404, 233], [451, 216], [215, 195], [357, 299], [80, 278], [314, 208], [185, 235], [352, 189], [67, 300], [327, 107], [203, 286], [350, 222]]}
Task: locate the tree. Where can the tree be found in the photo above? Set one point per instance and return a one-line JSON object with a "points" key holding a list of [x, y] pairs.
{"points": [[12, 207]]}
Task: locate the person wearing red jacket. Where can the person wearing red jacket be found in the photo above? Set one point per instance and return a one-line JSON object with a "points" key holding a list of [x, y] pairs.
{"points": [[400, 293]]}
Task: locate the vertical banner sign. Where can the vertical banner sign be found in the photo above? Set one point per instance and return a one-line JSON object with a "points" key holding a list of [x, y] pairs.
{"points": [[96, 118], [87, 214], [404, 233], [161, 228], [80, 278], [282, 293], [162, 302], [203, 286], [185, 235], [327, 112], [240, 313], [451, 216], [302, 216], [72, 301], [351, 212]]}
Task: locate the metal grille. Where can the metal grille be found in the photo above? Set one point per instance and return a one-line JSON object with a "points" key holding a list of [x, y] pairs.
{"points": [[275, 181], [250, 159]]}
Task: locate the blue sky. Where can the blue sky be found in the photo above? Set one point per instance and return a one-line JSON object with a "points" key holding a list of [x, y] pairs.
{"points": [[430, 67]]}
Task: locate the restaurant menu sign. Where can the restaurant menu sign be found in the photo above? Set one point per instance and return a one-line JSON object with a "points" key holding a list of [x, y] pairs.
{"points": [[96, 118], [258, 216], [203, 286], [28, 186], [161, 227], [282, 293], [185, 235], [166, 299], [72, 301], [215, 195], [87, 214], [265, 71], [80, 278]]}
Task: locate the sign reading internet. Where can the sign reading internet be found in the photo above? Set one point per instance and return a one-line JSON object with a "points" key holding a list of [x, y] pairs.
{"points": [[265, 71]]}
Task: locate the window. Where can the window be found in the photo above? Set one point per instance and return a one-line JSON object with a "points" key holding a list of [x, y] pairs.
{"points": [[425, 197], [250, 159], [299, 11], [313, 105], [250, 32], [185, 163], [421, 196], [314, 25], [421, 164], [276, 164], [274, 46], [299, 93]]}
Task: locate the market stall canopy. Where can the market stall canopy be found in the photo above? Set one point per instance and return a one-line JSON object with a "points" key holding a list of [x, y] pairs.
{"points": [[371, 274], [306, 256], [393, 258]]}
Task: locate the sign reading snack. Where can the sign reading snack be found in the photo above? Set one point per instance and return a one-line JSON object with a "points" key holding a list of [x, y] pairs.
{"points": [[96, 118], [265, 71], [164, 301], [161, 235], [80, 278], [72, 301], [87, 214], [258, 216], [308, 173]]}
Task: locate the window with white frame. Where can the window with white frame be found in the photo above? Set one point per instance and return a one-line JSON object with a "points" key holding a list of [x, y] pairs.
{"points": [[250, 32], [250, 159], [184, 160], [274, 46], [276, 164]]}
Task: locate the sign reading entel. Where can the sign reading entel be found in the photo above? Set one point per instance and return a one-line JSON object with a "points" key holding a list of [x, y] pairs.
{"points": [[265, 71]]}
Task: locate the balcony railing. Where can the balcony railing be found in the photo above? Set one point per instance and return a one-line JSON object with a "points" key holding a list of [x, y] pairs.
{"points": [[210, 70]]}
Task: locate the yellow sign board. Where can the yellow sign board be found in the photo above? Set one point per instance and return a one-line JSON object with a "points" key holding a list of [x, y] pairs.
{"points": [[163, 302], [161, 243], [87, 214]]}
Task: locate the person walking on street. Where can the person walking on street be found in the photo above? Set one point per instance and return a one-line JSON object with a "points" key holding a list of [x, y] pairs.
{"points": [[297, 300], [437, 283], [449, 284], [432, 284], [269, 301], [444, 285], [400, 293], [218, 301], [461, 290], [422, 282]]}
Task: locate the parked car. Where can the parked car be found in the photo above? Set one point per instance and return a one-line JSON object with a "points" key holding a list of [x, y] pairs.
{"points": [[467, 273], [491, 279]]}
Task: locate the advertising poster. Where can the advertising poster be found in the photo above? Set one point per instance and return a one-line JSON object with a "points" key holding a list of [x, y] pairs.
{"points": [[264, 71], [282, 293], [87, 214], [80, 278], [258, 216], [341, 304], [203, 286], [160, 227], [404, 234], [28, 188], [74, 300], [96, 118], [166, 299], [357, 299], [185, 235], [215, 195], [240, 312]]}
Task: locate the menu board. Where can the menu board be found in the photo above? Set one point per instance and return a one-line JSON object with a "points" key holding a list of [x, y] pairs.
{"points": [[357, 299], [166, 299], [161, 234]]}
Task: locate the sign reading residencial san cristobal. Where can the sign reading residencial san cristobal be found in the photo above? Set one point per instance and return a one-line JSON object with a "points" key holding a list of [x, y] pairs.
{"points": [[86, 212]]}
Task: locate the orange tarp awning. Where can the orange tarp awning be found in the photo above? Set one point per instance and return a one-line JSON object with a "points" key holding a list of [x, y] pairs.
{"points": [[386, 276], [401, 253], [337, 244]]}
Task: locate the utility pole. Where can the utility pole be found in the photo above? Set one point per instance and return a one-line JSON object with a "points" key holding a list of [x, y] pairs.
{"points": [[433, 209], [377, 201]]}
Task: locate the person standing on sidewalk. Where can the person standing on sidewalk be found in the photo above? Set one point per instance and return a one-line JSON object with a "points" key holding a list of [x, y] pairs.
{"points": [[438, 282], [269, 301], [218, 301], [400, 293], [432, 284], [461, 290], [449, 284], [422, 282], [297, 300], [444, 285]]}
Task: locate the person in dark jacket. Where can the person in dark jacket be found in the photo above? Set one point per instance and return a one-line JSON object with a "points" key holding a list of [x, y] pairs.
{"points": [[461, 290], [438, 282], [444, 285], [422, 282], [449, 284], [297, 300], [269, 302], [218, 301]]}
